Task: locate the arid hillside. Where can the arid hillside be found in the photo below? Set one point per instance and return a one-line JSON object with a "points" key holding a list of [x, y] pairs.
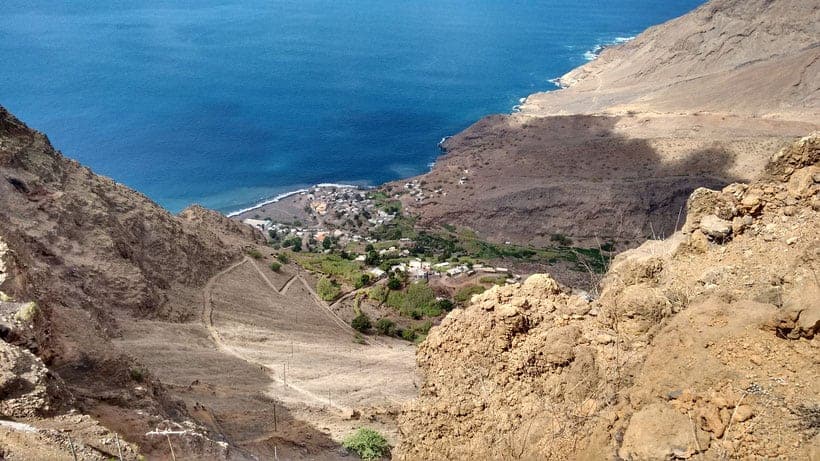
{"points": [[699, 101], [122, 322], [702, 346]]}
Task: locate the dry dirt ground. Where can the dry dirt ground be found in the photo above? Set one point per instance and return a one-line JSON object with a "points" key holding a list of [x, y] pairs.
{"points": [[264, 346]]}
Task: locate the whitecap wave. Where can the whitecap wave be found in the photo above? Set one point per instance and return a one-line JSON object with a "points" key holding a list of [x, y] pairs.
{"points": [[596, 50]]}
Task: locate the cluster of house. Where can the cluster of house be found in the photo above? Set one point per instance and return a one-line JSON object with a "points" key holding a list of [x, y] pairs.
{"points": [[341, 202], [285, 231], [416, 191], [424, 270]]}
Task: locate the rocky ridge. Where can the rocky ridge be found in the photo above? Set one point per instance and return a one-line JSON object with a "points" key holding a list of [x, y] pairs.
{"points": [[704, 344]]}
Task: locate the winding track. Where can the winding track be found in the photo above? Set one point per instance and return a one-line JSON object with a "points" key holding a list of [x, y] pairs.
{"points": [[207, 319]]}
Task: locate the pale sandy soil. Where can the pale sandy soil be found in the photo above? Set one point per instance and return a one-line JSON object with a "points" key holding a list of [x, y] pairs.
{"points": [[255, 347]]}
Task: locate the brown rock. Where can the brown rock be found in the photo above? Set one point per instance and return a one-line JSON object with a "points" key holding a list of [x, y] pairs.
{"points": [[742, 413], [715, 227], [660, 432]]}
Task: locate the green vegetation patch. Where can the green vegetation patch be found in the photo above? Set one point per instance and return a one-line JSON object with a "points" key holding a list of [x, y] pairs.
{"points": [[417, 302], [466, 293], [400, 227], [386, 327], [331, 265], [328, 289], [361, 322], [254, 253], [494, 280], [367, 443]]}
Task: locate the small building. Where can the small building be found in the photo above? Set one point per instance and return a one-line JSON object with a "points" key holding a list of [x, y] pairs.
{"points": [[260, 224]]}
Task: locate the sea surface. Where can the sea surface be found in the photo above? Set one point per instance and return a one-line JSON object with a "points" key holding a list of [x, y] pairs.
{"points": [[227, 103]]}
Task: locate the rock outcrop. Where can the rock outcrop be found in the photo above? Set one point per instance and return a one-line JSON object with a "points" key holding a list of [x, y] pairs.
{"points": [[705, 344]]}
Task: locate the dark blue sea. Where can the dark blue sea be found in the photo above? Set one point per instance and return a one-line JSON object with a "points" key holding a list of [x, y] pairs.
{"points": [[226, 103]]}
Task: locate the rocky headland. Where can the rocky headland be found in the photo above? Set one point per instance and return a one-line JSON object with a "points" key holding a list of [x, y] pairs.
{"points": [[700, 101]]}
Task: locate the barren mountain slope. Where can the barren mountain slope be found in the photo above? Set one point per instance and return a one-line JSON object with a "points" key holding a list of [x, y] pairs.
{"points": [[704, 345], [120, 319], [698, 101], [85, 249], [746, 57]]}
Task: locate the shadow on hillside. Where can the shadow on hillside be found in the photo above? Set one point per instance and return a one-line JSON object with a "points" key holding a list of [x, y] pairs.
{"points": [[576, 175]]}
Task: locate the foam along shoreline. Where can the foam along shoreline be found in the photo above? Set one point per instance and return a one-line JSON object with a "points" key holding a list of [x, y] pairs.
{"points": [[292, 193], [591, 55]]}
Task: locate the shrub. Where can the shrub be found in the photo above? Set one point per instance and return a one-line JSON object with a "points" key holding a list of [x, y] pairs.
{"points": [[27, 312], [294, 242], [283, 258], [137, 374], [254, 253], [445, 305], [377, 293], [361, 281], [394, 283], [424, 327], [409, 334], [275, 266], [561, 239], [361, 322], [359, 339], [466, 293], [386, 327], [372, 258], [367, 443], [328, 289]]}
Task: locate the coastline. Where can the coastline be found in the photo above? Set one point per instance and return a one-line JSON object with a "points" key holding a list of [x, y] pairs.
{"points": [[589, 56], [285, 195]]}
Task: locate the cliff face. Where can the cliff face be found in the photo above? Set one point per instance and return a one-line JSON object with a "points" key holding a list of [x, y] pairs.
{"points": [[81, 250], [705, 344], [700, 101]]}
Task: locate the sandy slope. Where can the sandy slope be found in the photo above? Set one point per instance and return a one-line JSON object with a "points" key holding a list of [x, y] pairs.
{"points": [[257, 347]]}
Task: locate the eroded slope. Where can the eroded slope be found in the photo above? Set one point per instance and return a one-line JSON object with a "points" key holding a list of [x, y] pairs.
{"points": [[706, 343]]}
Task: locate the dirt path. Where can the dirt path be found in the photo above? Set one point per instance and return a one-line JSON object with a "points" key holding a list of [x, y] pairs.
{"points": [[207, 318]]}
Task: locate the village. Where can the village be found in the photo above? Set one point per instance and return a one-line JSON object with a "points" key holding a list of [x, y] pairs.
{"points": [[381, 272], [347, 220]]}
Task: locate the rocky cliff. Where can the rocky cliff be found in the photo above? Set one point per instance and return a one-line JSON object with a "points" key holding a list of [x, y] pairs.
{"points": [[703, 345], [700, 101], [79, 250]]}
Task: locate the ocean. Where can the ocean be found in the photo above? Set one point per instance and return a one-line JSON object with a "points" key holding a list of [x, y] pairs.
{"points": [[227, 103]]}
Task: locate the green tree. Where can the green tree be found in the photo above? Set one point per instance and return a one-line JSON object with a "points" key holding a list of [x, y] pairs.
{"points": [[386, 327], [361, 322], [394, 283], [362, 281], [372, 258]]}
